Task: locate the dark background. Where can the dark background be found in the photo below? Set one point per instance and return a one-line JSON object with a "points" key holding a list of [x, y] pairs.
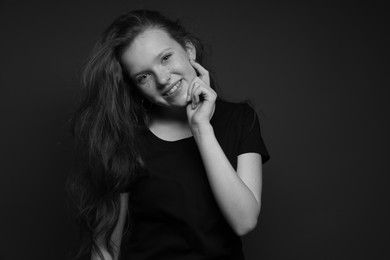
{"points": [[318, 75]]}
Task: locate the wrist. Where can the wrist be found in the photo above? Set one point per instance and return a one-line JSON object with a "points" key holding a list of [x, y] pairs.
{"points": [[202, 130]]}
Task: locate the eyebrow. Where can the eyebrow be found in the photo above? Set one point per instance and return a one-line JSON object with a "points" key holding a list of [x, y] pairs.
{"points": [[158, 56]]}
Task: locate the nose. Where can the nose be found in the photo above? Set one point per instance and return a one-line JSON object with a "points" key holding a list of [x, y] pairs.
{"points": [[163, 77]]}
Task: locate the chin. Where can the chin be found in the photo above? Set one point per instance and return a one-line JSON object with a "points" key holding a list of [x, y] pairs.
{"points": [[180, 101], [180, 104]]}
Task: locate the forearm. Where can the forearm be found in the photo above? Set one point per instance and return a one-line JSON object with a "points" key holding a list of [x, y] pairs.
{"points": [[116, 237], [103, 248], [105, 253], [236, 201]]}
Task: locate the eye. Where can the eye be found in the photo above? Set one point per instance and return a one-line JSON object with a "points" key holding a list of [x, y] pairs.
{"points": [[142, 78], [166, 57]]}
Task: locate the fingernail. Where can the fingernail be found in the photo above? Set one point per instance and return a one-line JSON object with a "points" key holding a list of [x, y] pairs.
{"points": [[188, 98]]}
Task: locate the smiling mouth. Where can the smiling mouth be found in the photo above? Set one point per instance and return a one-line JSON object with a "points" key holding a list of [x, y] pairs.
{"points": [[173, 89]]}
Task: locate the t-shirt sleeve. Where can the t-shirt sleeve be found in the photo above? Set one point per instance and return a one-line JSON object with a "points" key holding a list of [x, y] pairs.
{"points": [[250, 139]]}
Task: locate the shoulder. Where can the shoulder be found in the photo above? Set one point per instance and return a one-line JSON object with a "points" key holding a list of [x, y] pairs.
{"points": [[233, 107], [230, 104], [233, 117], [233, 110]]}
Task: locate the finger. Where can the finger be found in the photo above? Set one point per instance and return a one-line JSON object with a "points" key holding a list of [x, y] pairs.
{"points": [[203, 94], [199, 68], [195, 96], [203, 73], [190, 87]]}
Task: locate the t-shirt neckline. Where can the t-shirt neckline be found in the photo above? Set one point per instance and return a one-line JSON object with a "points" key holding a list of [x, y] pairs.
{"points": [[168, 141], [189, 138]]}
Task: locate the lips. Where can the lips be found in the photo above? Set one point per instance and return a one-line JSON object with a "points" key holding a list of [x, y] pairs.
{"points": [[173, 88]]}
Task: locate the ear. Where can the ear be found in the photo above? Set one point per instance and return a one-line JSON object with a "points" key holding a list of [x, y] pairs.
{"points": [[191, 50]]}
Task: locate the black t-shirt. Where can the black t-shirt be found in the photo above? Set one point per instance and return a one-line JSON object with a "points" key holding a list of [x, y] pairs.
{"points": [[172, 209]]}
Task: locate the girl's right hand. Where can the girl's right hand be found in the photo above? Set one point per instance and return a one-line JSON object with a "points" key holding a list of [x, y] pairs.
{"points": [[201, 98]]}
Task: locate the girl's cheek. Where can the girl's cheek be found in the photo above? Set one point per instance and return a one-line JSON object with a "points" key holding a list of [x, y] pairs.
{"points": [[182, 65], [187, 66], [146, 89]]}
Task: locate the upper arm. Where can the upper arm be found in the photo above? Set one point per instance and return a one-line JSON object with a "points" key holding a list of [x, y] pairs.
{"points": [[249, 169], [252, 152]]}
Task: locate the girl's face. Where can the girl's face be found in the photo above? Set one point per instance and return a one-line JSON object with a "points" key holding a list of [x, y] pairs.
{"points": [[160, 67]]}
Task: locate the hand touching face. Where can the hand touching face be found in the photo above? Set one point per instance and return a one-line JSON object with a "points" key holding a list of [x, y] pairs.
{"points": [[201, 97]]}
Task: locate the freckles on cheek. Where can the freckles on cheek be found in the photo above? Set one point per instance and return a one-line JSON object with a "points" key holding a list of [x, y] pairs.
{"points": [[185, 65], [182, 61]]}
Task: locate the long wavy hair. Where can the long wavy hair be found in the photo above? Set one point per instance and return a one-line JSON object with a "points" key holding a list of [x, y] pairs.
{"points": [[105, 126]]}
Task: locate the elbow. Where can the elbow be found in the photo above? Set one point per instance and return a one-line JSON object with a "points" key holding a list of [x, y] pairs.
{"points": [[248, 223], [246, 226]]}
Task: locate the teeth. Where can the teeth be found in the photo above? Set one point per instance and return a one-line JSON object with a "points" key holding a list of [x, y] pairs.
{"points": [[174, 88]]}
